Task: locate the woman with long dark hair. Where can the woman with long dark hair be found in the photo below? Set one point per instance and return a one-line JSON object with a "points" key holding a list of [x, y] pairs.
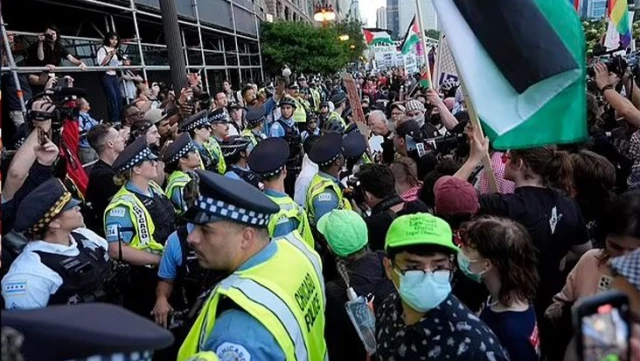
{"points": [[48, 51], [109, 56]]}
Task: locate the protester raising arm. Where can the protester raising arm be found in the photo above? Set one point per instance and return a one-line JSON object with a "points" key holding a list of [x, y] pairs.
{"points": [[622, 105], [448, 120], [25, 156]]}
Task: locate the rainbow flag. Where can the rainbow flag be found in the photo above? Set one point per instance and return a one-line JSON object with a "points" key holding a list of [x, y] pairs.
{"points": [[618, 14]]}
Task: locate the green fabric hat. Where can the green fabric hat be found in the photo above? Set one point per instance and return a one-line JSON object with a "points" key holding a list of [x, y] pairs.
{"points": [[419, 228], [345, 231]]}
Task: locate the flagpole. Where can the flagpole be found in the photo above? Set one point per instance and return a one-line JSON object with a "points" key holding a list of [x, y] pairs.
{"points": [[486, 160], [436, 68], [424, 45]]}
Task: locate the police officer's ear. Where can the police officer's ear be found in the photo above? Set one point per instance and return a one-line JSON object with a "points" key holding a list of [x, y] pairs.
{"points": [[54, 224]]}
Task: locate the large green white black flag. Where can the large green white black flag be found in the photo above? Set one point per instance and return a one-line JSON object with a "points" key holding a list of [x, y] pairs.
{"points": [[523, 64]]}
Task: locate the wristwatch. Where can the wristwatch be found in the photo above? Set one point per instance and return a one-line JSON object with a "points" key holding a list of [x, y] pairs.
{"points": [[605, 88]]}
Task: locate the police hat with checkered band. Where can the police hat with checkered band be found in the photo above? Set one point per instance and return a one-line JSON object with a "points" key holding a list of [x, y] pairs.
{"points": [[233, 144], [42, 205], [179, 148], [269, 157], [64, 332], [327, 149], [288, 101], [217, 198], [133, 155], [195, 121], [256, 116], [218, 116]]}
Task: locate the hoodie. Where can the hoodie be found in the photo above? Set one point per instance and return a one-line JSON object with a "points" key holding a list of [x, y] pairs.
{"points": [[367, 276]]}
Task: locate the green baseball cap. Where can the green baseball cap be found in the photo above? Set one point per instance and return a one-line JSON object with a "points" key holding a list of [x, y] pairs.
{"points": [[345, 231], [419, 228]]}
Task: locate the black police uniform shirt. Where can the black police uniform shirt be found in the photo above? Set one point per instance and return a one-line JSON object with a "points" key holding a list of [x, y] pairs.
{"points": [[30, 284], [447, 332], [555, 224]]}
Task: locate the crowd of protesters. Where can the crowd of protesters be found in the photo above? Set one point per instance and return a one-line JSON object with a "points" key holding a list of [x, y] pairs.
{"points": [[396, 208]]}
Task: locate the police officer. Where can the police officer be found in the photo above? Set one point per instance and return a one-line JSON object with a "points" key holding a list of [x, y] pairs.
{"points": [[236, 154], [325, 191], [63, 263], [180, 158], [268, 160], [219, 131], [354, 151], [339, 101], [138, 221], [271, 306], [199, 128], [84, 332], [255, 124], [285, 127]]}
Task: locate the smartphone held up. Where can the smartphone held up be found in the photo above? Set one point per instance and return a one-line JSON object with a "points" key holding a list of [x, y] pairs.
{"points": [[602, 325]]}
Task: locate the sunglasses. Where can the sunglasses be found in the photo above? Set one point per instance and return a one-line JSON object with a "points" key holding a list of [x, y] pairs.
{"points": [[505, 157]]}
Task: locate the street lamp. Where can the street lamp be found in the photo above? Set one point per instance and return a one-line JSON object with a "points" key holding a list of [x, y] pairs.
{"points": [[324, 13]]}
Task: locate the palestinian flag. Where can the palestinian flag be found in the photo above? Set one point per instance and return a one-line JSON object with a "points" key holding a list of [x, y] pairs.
{"points": [[523, 65], [377, 37], [425, 78], [412, 38]]}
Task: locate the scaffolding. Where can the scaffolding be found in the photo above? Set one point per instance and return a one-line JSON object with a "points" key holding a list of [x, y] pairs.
{"points": [[241, 53]]}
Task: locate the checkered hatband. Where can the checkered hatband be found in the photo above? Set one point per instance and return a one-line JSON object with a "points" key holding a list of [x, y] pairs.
{"points": [[219, 209]]}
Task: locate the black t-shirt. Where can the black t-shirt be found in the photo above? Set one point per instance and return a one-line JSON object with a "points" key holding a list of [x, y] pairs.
{"points": [[381, 218], [52, 56], [100, 190], [555, 224], [367, 276]]}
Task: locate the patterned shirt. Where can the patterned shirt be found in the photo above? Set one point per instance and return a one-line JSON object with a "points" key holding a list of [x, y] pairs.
{"points": [[448, 332]]}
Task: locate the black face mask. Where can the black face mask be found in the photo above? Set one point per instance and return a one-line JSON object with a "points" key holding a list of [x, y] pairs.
{"points": [[434, 119]]}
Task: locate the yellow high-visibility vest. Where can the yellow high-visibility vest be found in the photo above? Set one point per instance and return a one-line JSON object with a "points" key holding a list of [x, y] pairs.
{"points": [[291, 210], [285, 294], [142, 222], [318, 185]]}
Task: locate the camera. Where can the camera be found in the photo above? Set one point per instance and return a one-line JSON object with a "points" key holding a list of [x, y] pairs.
{"points": [[617, 65], [354, 190]]}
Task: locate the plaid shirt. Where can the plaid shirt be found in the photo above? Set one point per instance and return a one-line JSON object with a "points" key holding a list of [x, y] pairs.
{"points": [[628, 266], [411, 194], [504, 186]]}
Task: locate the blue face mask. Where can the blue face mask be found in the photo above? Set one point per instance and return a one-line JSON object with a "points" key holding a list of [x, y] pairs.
{"points": [[424, 291], [465, 263]]}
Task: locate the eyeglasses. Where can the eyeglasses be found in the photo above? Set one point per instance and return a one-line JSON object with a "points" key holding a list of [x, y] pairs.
{"points": [[437, 270]]}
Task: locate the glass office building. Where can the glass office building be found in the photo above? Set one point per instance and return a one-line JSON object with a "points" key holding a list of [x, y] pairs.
{"points": [[220, 37]]}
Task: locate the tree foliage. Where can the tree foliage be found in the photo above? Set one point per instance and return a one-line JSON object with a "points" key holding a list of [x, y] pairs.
{"points": [[595, 30], [306, 48]]}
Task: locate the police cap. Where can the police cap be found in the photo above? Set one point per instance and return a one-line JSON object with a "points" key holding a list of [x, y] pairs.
{"points": [[338, 99], [354, 145], [234, 144], [179, 148], [86, 331], [288, 101], [42, 205], [217, 116], [327, 149], [269, 157], [220, 198], [256, 115], [133, 155], [195, 121]]}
